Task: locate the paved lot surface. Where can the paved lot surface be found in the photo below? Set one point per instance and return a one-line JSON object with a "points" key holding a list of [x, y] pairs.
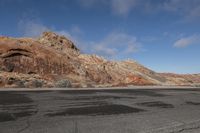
{"points": [[101, 111]]}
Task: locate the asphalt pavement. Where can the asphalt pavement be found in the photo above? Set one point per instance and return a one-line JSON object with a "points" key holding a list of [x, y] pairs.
{"points": [[101, 111]]}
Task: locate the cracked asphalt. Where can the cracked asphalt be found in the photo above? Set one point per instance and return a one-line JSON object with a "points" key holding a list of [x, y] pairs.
{"points": [[100, 111]]}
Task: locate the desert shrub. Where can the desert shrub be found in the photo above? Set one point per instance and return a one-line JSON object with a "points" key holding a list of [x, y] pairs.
{"points": [[17, 82], [11, 80], [197, 85], [90, 86], [37, 83], [63, 83], [20, 84]]}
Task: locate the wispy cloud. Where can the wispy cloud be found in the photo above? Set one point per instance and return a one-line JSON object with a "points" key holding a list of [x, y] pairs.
{"points": [[90, 3], [186, 41], [116, 44], [123, 7], [31, 28], [195, 12], [186, 8]]}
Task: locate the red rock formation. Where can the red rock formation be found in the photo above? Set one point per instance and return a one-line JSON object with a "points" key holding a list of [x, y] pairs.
{"points": [[52, 59]]}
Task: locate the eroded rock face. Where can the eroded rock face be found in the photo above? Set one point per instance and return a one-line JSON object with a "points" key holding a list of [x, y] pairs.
{"points": [[31, 58], [50, 59]]}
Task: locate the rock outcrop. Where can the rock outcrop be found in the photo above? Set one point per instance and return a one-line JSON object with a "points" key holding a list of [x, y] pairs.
{"points": [[54, 61]]}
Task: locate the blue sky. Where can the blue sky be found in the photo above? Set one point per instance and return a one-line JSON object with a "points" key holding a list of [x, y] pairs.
{"points": [[163, 35]]}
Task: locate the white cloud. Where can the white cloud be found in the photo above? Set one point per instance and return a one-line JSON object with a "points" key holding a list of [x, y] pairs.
{"points": [[116, 44], [123, 7], [31, 28], [104, 51], [76, 30], [184, 42]]}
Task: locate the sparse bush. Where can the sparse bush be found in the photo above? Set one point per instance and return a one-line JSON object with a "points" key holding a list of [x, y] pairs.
{"points": [[17, 82], [11, 80], [197, 85], [20, 84], [90, 86], [37, 83], [63, 83]]}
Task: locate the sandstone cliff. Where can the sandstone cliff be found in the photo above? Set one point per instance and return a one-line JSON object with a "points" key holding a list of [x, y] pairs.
{"points": [[54, 61]]}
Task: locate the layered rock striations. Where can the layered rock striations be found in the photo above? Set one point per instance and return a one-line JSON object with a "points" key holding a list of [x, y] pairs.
{"points": [[54, 61]]}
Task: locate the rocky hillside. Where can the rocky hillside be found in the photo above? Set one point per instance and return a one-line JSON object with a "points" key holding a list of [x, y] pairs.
{"points": [[54, 61]]}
